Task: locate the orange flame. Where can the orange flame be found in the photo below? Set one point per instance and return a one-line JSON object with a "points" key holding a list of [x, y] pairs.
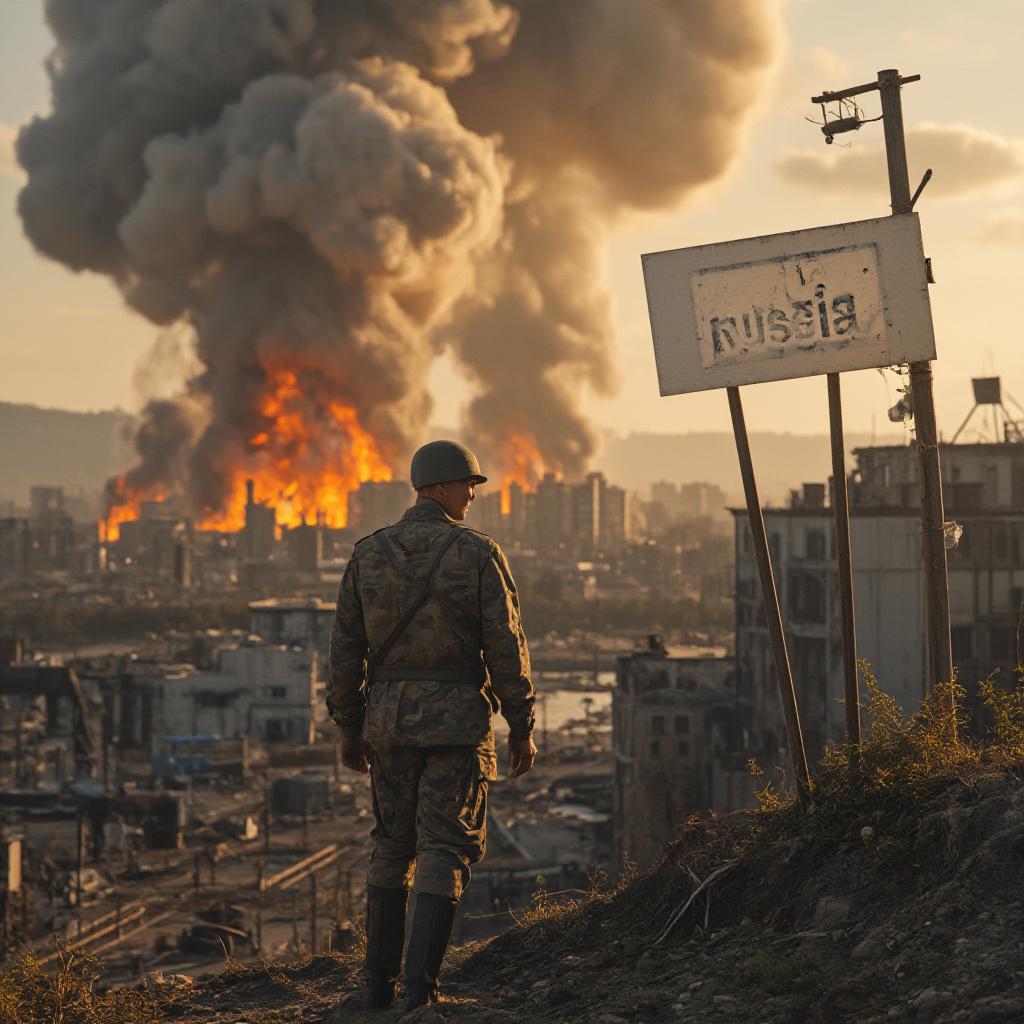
{"points": [[288, 467], [522, 464], [287, 463], [124, 506]]}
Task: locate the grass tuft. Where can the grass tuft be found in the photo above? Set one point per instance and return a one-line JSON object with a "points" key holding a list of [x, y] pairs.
{"points": [[900, 760], [28, 995]]}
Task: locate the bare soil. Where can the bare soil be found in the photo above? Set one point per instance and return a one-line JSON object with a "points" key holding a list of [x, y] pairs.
{"points": [[895, 917]]}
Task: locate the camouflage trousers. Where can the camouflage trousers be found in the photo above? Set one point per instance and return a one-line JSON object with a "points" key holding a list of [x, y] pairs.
{"points": [[430, 811]]}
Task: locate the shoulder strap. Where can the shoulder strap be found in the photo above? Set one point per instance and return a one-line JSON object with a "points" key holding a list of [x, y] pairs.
{"points": [[416, 599]]}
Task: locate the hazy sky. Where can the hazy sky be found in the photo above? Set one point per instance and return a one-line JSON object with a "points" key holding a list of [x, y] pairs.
{"points": [[68, 340]]}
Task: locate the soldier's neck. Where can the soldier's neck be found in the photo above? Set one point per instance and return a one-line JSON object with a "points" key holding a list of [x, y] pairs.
{"points": [[423, 500]]}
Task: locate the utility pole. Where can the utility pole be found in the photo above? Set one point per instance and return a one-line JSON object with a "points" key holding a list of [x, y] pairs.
{"points": [[938, 645], [940, 648]]}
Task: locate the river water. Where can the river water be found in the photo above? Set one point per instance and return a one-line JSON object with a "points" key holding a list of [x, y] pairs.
{"points": [[557, 706]]}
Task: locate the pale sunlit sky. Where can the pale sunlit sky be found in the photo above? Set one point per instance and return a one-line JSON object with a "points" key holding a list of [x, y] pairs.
{"points": [[67, 340]]}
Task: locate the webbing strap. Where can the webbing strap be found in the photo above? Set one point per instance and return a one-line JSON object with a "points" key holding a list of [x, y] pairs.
{"points": [[416, 599]]}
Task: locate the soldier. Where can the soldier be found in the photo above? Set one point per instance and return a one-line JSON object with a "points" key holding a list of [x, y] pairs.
{"points": [[427, 643]]}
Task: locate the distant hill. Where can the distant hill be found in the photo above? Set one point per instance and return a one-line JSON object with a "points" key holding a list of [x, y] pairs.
{"points": [[74, 450], [80, 450], [781, 461]]}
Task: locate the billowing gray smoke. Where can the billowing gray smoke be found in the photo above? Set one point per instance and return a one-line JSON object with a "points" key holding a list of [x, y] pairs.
{"points": [[339, 190]]}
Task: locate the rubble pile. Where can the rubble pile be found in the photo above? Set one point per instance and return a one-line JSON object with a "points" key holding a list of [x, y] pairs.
{"points": [[755, 917]]}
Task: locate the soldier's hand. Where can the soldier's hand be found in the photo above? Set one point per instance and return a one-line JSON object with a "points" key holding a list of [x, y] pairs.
{"points": [[521, 756], [354, 753]]}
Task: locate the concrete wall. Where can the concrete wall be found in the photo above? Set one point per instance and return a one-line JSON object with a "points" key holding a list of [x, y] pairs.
{"points": [[266, 693], [889, 594]]}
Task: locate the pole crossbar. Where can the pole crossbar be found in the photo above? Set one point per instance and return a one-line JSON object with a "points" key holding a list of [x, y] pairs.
{"points": [[859, 90]]}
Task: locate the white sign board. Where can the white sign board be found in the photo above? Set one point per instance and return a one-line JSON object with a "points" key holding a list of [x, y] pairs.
{"points": [[845, 297]]}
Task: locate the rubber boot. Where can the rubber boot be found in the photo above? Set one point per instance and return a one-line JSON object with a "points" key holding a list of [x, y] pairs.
{"points": [[385, 936], [432, 921]]}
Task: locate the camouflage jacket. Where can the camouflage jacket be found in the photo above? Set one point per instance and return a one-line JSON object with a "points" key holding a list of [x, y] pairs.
{"points": [[472, 614]]}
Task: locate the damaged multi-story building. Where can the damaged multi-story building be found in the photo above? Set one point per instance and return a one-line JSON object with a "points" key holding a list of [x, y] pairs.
{"points": [[47, 538], [270, 693], [679, 743], [983, 488], [685, 728]]}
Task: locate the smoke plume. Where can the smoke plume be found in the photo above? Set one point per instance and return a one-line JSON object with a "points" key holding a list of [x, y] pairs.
{"points": [[328, 195]]}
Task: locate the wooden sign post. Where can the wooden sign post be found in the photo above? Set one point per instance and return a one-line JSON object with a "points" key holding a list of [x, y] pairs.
{"points": [[800, 304], [844, 561], [773, 613]]}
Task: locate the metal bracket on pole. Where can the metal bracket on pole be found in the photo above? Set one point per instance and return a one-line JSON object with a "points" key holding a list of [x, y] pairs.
{"points": [[773, 613], [925, 178]]}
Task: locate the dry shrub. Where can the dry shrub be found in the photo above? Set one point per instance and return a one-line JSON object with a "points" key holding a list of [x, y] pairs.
{"points": [[556, 912], [1007, 708], [28, 995], [902, 759]]}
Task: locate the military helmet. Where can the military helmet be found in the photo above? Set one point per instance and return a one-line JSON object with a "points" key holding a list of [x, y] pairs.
{"points": [[441, 462]]}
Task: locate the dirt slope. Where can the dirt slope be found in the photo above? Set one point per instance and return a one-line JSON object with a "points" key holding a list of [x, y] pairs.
{"points": [[893, 914]]}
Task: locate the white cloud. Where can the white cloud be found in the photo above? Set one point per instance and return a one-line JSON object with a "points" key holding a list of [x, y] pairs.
{"points": [[964, 159], [9, 166], [1006, 228]]}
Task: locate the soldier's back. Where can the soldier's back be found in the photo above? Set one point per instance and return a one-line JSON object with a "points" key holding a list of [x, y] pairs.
{"points": [[444, 634]]}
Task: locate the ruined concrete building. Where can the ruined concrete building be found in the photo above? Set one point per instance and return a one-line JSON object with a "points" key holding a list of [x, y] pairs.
{"points": [[46, 540], [678, 739], [295, 621], [268, 693], [158, 543]]}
